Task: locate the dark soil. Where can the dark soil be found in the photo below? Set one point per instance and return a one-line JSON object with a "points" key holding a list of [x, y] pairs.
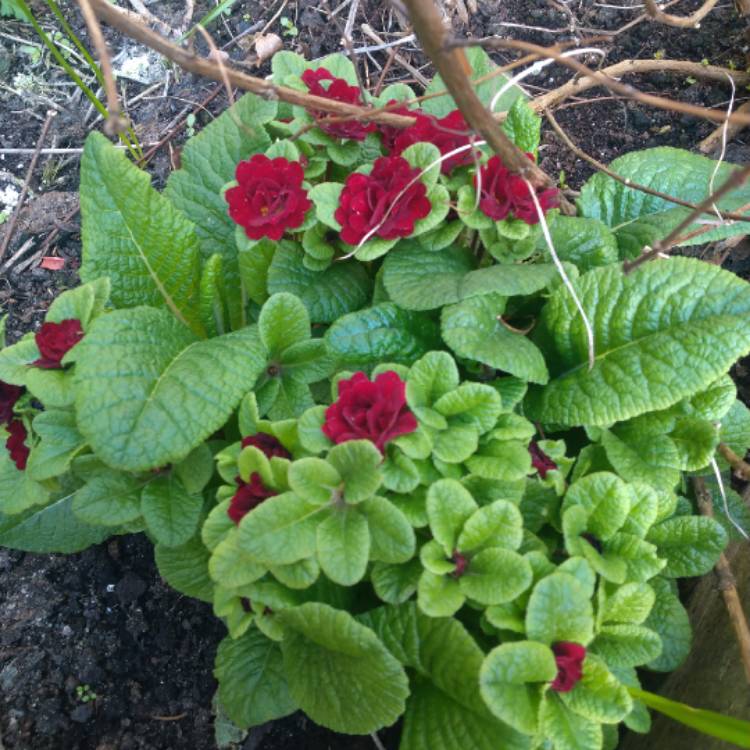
{"points": [[102, 622]]}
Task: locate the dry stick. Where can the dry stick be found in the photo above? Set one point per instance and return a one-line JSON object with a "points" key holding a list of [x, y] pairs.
{"points": [[428, 25], [734, 181], [217, 56], [727, 584], [683, 22], [707, 227], [27, 181], [713, 141], [605, 78], [400, 59], [740, 466], [125, 23], [565, 138], [115, 123]]}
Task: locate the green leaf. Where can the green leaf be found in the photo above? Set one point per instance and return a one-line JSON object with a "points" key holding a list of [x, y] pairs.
{"points": [[343, 542], [449, 506], [283, 321], [208, 162], [109, 500], [672, 171], [481, 66], [195, 471], [392, 538], [396, 584], [655, 342], [212, 296], [253, 263], [170, 511], [281, 530], [523, 126], [341, 659], [559, 610], [496, 525], [51, 528], [136, 366], [496, 576], [185, 568], [630, 603], [696, 441], [606, 499], [326, 197], [511, 680], [357, 462], [627, 645], [60, 441], [473, 329], [231, 565], [439, 595], [736, 731], [135, 236], [568, 730], [382, 333], [253, 687], [670, 621], [690, 544]]}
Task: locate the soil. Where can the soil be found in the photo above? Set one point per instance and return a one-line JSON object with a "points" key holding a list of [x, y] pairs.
{"points": [[102, 623]]}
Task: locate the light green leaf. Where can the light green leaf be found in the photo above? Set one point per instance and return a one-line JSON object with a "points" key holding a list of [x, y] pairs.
{"points": [[343, 542], [511, 680], [606, 499], [473, 329], [382, 333], [661, 333], [568, 730], [328, 295], [60, 441], [326, 197], [208, 162], [253, 263], [449, 506], [342, 659], [283, 321], [627, 645], [439, 595], [195, 471], [586, 243], [696, 441], [391, 535], [185, 569], [497, 525], [523, 126], [212, 296], [231, 565], [559, 610], [170, 511], [599, 696], [496, 576], [253, 687], [136, 366], [109, 500], [357, 462], [630, 603], [669, 620], [690, 544], [135, 236], [396, 584]]}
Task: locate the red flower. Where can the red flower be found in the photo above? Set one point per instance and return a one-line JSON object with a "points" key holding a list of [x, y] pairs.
{"points": [[249, 495], [382, 199], [9, 394], [447, 133], [268, 444], [390, 133], [540, 460], [16, 444], [502, 192], [55, 340], [462, 563], [269, 198], [369, 410], [338, 90], [569, 659]]}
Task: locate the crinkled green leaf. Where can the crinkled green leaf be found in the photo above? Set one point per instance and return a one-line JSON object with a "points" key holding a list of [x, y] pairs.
{"points": [[396, 584], [185, 568], [171, 513], [497, 525], [357, 462], [231, 565], [382, 333], [670, 621], [523, 126], [664, 331], [559, 610], [135, 236], [630, 603], [283, 321], [568, 730], [343, 542], [148, 392], [60, 441], [495, 576], [253, 685], [691, 545], [392, 538], [627, 645], [109, 500], [449, 506], [606, 499], [350, 682], [599, 696]]}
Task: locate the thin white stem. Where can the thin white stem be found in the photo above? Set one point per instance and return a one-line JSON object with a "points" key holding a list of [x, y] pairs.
{"points": [[720, 482], [724, 132], [563, 274], [536, 68]]}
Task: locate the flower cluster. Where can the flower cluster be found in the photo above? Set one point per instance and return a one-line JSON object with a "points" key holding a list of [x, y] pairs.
{"points": [[55, 340], [16, 442], [252, 493], [386, 203], [501, 192], [269, 197], [569, 660], [369, 410]]}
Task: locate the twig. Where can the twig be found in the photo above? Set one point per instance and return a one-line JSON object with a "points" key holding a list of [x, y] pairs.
{"points": [[21, 251], [739, 465], [707, 227], [565, 138], [450, 63], [683, 22], [145, 13], [115, 122], [217, 55], [400, 59], [350, 19], [661, 247], [606, 77], [727, 584], [714, 140], [188, 61], [51, 114]]}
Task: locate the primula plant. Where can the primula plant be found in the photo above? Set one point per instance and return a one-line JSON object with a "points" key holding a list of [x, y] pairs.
{"points": [[334, 374]]}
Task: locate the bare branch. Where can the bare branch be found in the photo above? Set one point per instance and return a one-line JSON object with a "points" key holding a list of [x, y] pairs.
{"points": [[683, 22]]}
